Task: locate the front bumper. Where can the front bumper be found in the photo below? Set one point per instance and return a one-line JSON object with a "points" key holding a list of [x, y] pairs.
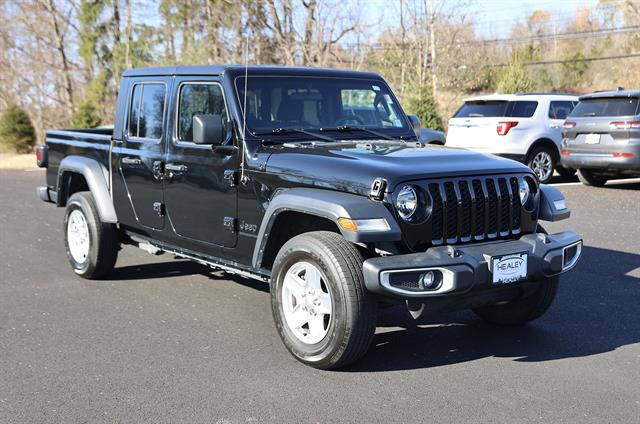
{"points": [[463, 268]]}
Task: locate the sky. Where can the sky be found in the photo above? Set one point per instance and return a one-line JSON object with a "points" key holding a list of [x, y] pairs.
{"points": [[495, 17]]}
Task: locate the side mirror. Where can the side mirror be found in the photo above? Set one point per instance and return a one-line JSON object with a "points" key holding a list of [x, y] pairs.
{"points": [[415, 123], [208, 129]]}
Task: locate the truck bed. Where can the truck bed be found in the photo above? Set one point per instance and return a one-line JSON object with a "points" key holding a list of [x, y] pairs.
{"points": [[90, 142]]}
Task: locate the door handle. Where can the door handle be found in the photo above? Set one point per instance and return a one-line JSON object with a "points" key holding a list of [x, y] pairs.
{"points": [[175, 167], [131, 161]]}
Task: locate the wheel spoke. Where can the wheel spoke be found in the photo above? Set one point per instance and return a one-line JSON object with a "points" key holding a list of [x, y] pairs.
{"points": [[325, 304], [312, 276], [298, 318], [316, 326]]}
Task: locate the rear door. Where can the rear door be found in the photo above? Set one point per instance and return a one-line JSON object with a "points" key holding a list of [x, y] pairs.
{"points": [[141, 152], [200, 186], [474, 124]]}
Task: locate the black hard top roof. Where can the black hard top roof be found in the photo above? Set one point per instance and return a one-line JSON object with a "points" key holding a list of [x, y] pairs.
{"points": [[610, 94], [252, 70]]}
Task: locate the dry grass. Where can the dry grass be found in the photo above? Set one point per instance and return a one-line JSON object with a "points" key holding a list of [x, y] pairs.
{"points": [[17, 161]]}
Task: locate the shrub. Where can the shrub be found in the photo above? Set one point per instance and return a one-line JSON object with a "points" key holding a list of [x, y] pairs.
{"points": [[86, 116], [513, 78], [423, 104], [16, 131]]}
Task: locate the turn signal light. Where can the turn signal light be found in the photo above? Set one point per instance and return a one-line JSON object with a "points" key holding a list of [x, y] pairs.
{"points": [[565, 153], [504, 127]]}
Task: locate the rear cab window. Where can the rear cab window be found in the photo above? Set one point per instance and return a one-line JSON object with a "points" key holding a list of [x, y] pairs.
{"points": [[497, 109], [606, 106], [146, 111]]}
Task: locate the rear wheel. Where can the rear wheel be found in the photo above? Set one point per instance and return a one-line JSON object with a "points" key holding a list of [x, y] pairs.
{"points": [[589, 178], [322, 311], [521, 311], [91, 245], [542, 160], [565, 172]]}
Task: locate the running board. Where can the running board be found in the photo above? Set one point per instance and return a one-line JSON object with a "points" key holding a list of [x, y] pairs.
{"points": [[157, 248]]}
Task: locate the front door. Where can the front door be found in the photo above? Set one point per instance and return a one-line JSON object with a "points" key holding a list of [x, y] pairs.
{"points": [[200, 192], [141, 153]]}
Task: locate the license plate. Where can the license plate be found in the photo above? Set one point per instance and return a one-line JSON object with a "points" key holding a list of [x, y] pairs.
{"points": [[509, 268], [592, 139]]}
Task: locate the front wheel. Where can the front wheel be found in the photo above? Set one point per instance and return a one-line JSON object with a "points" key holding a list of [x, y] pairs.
{"points": [[91, 245], [589, 178], [321, 308], [521, 311]]}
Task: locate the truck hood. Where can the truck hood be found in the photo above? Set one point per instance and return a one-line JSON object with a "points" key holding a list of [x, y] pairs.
{"points": [[353, 166]]}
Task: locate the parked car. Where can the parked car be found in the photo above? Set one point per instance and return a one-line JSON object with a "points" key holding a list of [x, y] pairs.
{"points": [[268, 173], [524, 127], [602, 136]]}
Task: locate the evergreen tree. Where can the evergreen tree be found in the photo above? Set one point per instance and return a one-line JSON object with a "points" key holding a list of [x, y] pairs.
{"points": [[86, 116], [16, 131], [423, 104], [513, 77]]}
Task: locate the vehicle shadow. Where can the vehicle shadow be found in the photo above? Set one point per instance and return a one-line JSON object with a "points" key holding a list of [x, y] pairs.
{"points": [[180, 268], [595, 312]]}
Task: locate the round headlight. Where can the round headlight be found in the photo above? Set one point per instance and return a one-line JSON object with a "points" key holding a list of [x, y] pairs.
{"points": [[407, 202], [525, 191]]}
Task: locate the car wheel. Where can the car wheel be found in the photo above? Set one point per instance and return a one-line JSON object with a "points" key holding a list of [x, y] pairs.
{"points": [[566, 172], [91, 245], [589, 178], [521, 311], [542, 160], [321, 308]]}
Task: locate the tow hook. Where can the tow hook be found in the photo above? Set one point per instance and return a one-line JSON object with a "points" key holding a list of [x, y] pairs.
{"points": [[415, 308]]}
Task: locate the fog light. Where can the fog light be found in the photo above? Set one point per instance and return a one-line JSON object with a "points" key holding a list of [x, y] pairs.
{"points": [[428, 280]]}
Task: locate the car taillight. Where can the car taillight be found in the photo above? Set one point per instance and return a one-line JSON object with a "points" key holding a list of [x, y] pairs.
{"points": [[624, 125], [504, 127], [623, 155], [568, 125], [565, 153], [42, 155]]}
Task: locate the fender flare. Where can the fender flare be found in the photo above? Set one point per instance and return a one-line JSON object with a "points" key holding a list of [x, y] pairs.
{"points": [[330, 205], [97, 176], [553, 206]]}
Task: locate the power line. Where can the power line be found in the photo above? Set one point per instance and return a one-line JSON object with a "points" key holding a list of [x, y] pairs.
{"points": [[557, 36]]}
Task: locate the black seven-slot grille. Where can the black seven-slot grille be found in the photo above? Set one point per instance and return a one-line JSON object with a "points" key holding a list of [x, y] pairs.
{"points": [[474, 209]]}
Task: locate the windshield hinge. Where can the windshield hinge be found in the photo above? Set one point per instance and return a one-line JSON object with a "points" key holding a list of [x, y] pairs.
{"points": [[230, 177]]}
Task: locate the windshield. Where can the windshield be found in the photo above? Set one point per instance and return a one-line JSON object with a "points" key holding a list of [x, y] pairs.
{"points": [[319, 103], [620, 106]]}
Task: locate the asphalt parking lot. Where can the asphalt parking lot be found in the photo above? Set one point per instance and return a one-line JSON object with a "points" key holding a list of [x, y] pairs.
{"points": [[166, 340]]}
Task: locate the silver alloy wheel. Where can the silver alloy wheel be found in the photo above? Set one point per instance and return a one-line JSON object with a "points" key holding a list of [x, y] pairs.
{"points": [[542, 165], [78, 236], [306, 302]]}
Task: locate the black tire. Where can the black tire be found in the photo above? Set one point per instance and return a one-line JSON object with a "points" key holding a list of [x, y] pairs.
{"points": [[553, 157], [103, 239], [566, 172], [353, 318], [521, 311], [589, 178]]}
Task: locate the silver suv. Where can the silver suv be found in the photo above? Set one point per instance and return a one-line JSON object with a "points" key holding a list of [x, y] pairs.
{"points": [[525, 127], [602, 136]]}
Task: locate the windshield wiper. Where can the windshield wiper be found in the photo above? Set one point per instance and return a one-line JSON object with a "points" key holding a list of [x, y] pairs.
{"points": [[347, 128], [589, 114], [298, 131]]}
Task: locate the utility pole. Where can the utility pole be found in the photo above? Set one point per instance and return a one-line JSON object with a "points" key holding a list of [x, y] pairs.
{"points": [[432, 42]]}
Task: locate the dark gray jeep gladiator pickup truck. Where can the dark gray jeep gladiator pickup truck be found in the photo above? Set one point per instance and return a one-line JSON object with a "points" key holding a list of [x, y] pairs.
{"points": [[314, 181]]}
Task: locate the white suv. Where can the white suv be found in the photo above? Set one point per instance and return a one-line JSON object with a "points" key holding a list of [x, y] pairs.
{"points": [[525, 127]]}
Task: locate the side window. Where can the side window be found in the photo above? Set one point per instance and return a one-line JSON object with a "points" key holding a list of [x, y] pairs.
{"points": [[523, 109], [560, 109], [147, 111], [198, 99]]}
